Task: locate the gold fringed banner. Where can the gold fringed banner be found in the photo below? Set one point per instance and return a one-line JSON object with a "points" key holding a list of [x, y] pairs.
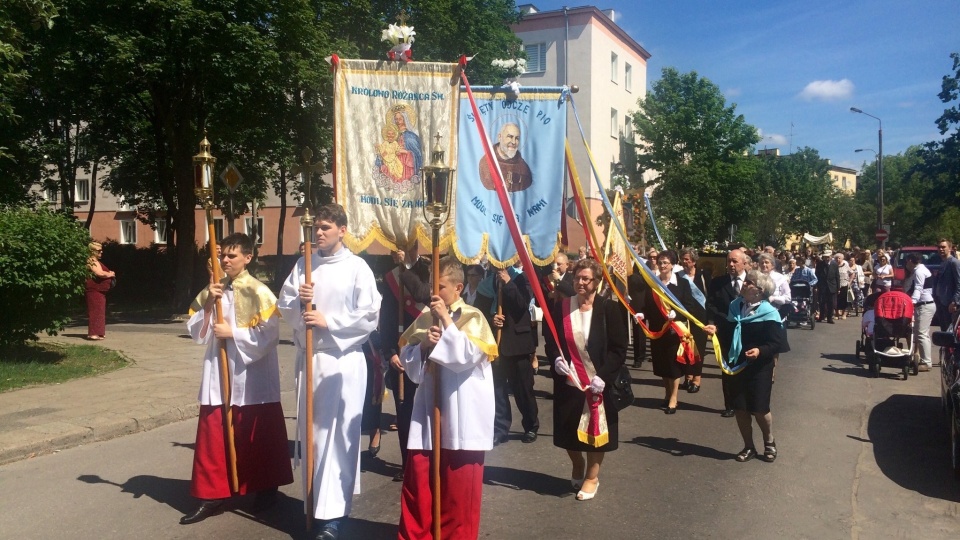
{"points": [[387, 117]]}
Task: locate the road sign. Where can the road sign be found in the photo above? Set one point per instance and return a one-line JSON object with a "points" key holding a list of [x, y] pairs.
{"points": [[231, 177], [882, 235]]}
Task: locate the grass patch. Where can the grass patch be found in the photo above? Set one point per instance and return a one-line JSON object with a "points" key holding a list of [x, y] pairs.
{"points": [[51, 363]]}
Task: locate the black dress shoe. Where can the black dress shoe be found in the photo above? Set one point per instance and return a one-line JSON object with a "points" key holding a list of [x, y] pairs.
{"points": [[684, 385], [498, 440], [265, 500], [329, 531], [670, 410], [693, 388], [637, 364], [727, 413], [529, 437], [206, 509], [398, 477]]}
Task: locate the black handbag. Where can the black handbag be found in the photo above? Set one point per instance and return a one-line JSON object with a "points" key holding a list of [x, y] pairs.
{"points": [[621, 392]]}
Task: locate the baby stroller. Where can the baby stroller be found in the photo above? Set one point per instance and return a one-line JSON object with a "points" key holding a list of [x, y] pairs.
{"points": [[801, 301], [892, 342]]}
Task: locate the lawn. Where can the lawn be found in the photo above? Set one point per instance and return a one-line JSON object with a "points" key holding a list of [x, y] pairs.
{"points": [[51, 363]]}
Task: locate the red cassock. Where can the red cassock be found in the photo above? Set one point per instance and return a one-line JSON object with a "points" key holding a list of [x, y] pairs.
{"points": [[461, 490], [260, 437]]}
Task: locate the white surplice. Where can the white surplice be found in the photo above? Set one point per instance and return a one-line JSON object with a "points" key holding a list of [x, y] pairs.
{"points": [[252, 357], [345, 292], [466, 384]]}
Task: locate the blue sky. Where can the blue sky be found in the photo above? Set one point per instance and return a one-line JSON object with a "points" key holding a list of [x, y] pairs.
{"points": [[806, 63]]}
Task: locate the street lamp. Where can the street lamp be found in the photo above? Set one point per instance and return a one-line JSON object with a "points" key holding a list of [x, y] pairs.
{"points": [[879, 170]]}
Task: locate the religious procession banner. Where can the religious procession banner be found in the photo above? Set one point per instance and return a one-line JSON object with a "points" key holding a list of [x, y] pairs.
{"points": [[615, 254], [387, 116], [527, 135]]}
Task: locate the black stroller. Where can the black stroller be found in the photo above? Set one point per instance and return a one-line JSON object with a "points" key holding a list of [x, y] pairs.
{"points": [[801, 301]]}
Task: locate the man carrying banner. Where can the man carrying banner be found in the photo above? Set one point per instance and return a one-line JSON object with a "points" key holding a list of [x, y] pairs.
{"points": [[512, 372], [460, 348], [409, 281], [346, 310], [251, 330]]}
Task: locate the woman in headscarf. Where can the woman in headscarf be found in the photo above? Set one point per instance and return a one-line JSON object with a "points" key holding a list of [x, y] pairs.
{"points": [[96, 287], [750, 337], [592, 348]]}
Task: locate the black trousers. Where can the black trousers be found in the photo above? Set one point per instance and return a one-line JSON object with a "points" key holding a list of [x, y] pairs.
{"points": [[639, 342], [514, 374], [828, 302], [404, 414]]}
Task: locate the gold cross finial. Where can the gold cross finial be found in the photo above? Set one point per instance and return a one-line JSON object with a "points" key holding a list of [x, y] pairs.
{"points": [[438, 137], [402, 17]]}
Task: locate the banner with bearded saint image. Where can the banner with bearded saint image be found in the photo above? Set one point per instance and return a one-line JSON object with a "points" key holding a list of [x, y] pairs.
{"points": [[527, 138], [387, 116]]}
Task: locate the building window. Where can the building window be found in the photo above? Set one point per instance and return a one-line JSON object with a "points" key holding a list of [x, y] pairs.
{"points": [[536, 57], [844, 183], [614, 124], [628, 128], [50, 195], [248, 228], [82, 190], [628, 77], [614, 67], [128, 231], [160, 231]]}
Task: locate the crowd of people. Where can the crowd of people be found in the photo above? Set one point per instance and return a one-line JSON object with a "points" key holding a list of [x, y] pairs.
{"points": [[470, 346]]}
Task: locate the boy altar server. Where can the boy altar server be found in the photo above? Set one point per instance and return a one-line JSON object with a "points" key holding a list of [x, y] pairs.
{"points": [[251, 330], [346, 310], [460, 348]]}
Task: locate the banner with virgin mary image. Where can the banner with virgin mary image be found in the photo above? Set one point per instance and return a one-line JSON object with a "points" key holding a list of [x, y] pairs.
{"points": [[387, 118], [527, 134]]}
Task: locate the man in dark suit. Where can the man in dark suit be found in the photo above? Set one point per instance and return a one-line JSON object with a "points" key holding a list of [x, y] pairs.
{"points": [[829, 286], [946, 292], [561, 278], [409, 281], [512, 370], [723, 290]]}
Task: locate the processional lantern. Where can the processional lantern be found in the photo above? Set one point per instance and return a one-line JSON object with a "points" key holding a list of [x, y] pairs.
{"points": [[437, 187], [203, 174]]}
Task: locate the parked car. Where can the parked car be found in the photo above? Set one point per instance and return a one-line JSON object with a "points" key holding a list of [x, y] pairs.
{"points": [[950, 390], [929, 256]]}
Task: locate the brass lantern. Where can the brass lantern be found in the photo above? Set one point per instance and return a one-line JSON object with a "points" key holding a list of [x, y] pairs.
{"points": [[437, 187], [203, 174]]}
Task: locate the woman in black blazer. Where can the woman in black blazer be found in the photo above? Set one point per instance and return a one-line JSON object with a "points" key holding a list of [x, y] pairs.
{"points": [[593, 343], [664, 349]]}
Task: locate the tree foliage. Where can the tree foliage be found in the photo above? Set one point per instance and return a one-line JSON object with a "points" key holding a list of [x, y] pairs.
{"points": [[43, 265], [136, 85], [699, 147]]}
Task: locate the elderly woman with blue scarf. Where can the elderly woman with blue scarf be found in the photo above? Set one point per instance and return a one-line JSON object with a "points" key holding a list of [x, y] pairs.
{"points": [[751, 336]]}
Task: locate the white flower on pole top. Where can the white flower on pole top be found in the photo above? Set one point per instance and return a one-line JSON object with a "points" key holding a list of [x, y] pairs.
{"points": [[397, 34]]}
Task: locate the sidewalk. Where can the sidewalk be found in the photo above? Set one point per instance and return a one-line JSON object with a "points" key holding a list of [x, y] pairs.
{"points": [[158, 387]]}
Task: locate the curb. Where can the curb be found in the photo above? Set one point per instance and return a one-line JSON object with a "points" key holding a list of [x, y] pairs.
{"points": [[53, 437]]}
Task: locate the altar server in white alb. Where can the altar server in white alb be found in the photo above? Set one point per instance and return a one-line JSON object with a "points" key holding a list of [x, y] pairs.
{"points": [[346, 310], [460, 348], [251, 332]]}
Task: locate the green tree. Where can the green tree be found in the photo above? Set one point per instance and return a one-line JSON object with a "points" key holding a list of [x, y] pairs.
{"points": [[795, 195], [43, 264], [698, 147]]}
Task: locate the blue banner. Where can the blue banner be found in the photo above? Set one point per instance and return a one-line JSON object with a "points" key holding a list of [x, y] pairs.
{"points": [[527, 135]]}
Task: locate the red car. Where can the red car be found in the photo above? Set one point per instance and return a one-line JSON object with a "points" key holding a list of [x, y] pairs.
{"points": [[929, 256]]}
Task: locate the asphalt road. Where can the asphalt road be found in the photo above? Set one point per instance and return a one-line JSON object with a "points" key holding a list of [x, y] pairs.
{"points": [[859, 458]]}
